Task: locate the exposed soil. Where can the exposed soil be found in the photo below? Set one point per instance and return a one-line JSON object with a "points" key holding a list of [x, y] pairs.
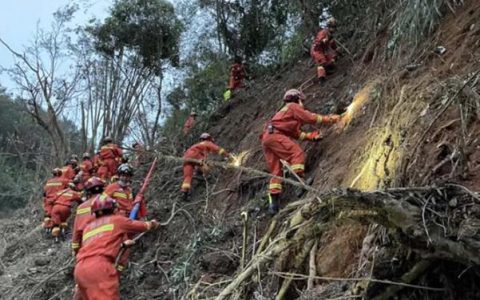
{"points": [[395, 139]]}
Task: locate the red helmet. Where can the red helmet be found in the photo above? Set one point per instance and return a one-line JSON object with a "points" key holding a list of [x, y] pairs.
{"points": [[94, 182], [206, 137], [103, 202], [293, 95]]}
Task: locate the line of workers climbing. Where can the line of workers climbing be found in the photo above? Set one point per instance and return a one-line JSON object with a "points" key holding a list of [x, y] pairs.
{"points": [[101, 186]]}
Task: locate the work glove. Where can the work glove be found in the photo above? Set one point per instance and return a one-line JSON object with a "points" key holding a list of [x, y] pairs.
{"points": [[314, 136], [128, 243], [331, 119], [154, 224]]}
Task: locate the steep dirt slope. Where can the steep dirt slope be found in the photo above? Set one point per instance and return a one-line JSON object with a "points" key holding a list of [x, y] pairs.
{"points": [[407, 130]]}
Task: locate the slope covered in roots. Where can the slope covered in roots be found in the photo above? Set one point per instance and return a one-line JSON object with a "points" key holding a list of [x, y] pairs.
{"points": [[392, 209]]}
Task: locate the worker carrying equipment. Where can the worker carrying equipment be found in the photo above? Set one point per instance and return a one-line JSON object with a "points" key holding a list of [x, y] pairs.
{"points": [[277, 140], [324, 49], [53, 185], [189, 123], [94, 187], [95, 273], [198, 152], [62, 205], [121, 191], [111, 156]]}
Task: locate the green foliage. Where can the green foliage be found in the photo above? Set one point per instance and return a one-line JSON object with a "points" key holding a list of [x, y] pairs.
{"points": [[26, 153], [415, 20], [148, 27]]}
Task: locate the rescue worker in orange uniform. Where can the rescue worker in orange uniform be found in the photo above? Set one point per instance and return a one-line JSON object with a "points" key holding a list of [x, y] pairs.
{"points": [[324, 49], [278, 144], [86, 167], [93, 187], [62, 208], [95, 272], [53, 185], [199, 151], [111, 156], [237, 75], [68, 171], [121, 191], [189, 123], [140, 155]]}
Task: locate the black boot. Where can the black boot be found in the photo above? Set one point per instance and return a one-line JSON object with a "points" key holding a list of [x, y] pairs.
{"points": [[186, 196], [273, 200]]}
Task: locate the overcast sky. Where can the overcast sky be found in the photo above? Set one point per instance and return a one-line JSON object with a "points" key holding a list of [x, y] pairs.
{"points": [[19, 18]]}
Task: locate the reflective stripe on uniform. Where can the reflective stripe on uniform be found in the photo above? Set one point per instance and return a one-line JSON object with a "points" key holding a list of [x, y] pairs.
{"points": [[98, 230], [54, 184], [298, 167], [120, 268], [119, 195], [276, 186], [85, 210], [65, 194], [284, 109], [319, 119], [75, 246]]}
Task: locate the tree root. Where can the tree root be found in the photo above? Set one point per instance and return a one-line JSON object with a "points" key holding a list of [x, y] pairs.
{"points": [[398, 209]]}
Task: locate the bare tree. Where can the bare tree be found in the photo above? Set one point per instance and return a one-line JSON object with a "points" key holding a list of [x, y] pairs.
{"points": [[45, 82]]}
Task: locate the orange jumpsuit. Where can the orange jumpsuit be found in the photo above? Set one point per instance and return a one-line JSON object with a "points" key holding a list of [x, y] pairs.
{"points": [[68, 172], [86, 167], [83, 216], [278, 145], [95, 273], [61, 208], [50, 189], [237, 75], [96, 162], [123, 196], [110, 154], [198, 151], [188, 125], [323, 51]]}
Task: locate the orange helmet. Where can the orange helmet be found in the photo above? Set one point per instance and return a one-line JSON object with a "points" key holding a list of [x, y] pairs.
{"points": [[94, 183], [293, 95]]}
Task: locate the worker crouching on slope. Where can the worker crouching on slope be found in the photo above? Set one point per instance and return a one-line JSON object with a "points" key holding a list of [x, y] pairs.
{"points": [[53, 185], [93, 187], [195, 153], [95, 273], [324, 49], [121, 191], [62, 208], [277, 140]]}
